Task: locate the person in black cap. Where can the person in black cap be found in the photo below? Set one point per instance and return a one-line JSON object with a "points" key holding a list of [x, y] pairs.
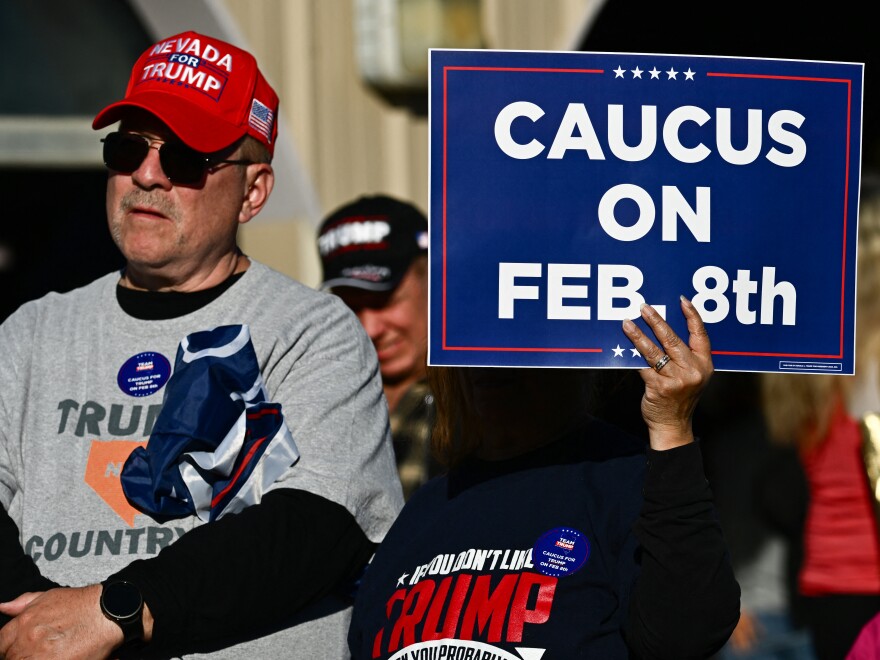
{"points": [[374, 254]]}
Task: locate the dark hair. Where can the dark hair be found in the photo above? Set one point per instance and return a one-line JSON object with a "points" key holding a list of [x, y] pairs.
{"points": [[252, 149], [459, 429], [455, 435]]}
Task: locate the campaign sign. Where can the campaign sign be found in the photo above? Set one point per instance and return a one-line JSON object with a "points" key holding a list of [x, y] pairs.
{"points": [[568, 188]]}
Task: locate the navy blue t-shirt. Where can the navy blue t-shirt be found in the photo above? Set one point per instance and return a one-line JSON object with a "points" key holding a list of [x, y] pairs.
{"points": [[540, 557]]}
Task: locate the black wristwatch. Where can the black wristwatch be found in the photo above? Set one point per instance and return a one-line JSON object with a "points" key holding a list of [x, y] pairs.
{"points": [[122, 603]]}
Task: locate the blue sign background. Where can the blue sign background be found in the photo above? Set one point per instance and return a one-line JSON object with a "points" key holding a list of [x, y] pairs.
{"points": [[487, 207]]}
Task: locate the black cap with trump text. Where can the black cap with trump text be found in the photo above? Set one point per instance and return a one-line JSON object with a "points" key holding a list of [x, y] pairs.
{"points": [[369, 243]]}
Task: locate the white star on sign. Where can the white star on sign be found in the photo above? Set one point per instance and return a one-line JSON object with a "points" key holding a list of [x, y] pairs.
{"points": [[671, 74], [635, 352], [402, 578], [654, 73], [618, 351], [618, 72], [637, 72], [689, 75]]}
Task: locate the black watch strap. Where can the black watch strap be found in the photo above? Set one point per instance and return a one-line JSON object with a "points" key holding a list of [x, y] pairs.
{"points": [[123, 604]]}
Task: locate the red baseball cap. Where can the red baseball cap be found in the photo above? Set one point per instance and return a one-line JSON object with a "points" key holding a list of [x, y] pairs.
{"points": [[207, 91]]}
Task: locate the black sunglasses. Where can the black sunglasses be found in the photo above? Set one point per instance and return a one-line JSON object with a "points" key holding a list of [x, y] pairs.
{"points": [[124, 152]]}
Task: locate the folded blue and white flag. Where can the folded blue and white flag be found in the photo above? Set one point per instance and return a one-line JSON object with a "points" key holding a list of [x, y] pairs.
{"points": [[217, 444]]}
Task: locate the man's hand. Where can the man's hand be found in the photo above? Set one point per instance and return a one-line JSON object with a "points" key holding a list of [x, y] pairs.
{"points": [[64, 623]]}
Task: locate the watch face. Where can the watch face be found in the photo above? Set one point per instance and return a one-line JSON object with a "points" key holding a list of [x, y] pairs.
{"points": [[121, 600]]}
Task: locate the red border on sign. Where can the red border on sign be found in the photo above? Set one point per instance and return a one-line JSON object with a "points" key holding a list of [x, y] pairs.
{"points": [[848, 83]]}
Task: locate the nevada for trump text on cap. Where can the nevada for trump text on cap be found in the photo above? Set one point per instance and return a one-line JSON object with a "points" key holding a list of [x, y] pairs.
{"points": [[209, 93], [370, 242]]}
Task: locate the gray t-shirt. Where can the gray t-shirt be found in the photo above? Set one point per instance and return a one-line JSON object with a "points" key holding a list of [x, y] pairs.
{"points": [[70, 416]]}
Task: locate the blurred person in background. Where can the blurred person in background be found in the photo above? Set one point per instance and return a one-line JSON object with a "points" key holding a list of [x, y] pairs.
{"points": [[760, 494], [827, 418], [867, 644], [374, 255]]}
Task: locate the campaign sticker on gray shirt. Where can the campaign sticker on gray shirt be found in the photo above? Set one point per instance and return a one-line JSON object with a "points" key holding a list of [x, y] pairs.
{"points": [[560, 552], [144, 374]]}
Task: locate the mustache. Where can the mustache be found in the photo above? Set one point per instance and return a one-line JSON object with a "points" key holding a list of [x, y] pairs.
{"points": [[143, 198]]}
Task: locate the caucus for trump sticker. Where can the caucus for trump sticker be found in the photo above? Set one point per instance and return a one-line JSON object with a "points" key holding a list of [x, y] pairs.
{"points": [[561, 552], [144, 374]]}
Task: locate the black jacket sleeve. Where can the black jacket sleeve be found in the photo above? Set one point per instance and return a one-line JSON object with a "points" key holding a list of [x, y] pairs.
{"points": [[249, 573], [685, 603], [18, 572]]}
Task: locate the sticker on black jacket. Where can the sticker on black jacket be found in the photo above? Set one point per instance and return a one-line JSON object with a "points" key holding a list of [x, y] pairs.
{"points": [[561, 552]]}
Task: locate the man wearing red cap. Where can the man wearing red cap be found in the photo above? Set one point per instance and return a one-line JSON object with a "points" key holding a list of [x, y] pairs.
{"points": [[83, 384]]}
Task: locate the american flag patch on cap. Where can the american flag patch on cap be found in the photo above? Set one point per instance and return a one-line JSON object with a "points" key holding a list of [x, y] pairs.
{"points": [[261, 119]]}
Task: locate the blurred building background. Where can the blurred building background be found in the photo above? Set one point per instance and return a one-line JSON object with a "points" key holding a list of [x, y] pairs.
{"points": [[353, 119], [352, 79]]}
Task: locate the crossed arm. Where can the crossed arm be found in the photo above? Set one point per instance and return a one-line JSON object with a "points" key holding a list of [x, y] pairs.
{"points": [[207, 590]]}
